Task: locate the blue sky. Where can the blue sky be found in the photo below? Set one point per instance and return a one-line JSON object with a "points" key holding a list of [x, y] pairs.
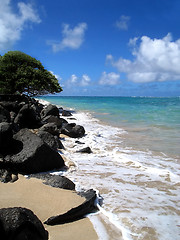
{"points": [[99, 47]]}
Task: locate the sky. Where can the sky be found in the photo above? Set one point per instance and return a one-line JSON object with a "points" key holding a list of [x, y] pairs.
{"points": [[99, 47]]}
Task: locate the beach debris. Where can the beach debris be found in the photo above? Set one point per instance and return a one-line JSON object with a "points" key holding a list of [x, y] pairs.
{"points": [[85, 150], [77, 213], [56, 181], [21, 223], [35, 156], [73, 130]]}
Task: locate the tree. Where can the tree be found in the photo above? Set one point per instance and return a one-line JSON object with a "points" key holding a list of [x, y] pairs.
{"points": [[21, 73]]}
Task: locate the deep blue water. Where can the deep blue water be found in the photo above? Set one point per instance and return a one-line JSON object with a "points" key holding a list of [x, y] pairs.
{"points": [[151, 123]]}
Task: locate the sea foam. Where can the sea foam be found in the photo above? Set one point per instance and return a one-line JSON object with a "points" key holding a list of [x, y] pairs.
{"points": [[139, 189]]}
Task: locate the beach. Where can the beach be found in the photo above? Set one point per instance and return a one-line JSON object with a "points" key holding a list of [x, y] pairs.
{"points": [[46, 201], [137, 183], [135, 167]]}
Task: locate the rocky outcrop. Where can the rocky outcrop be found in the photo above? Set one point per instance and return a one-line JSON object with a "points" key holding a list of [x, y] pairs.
{"points": [[29, 140], [50, 128], [66, 113], [55, 181], [73, 130], [27, 117], [85, 150], [51, 140], [54, 119], [4, 115], [76, 213], [19, 224], [6, 135], [5, 175], [35, 156], [50, 110]]}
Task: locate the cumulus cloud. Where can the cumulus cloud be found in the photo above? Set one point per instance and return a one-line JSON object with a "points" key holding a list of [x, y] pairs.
{"points": [[78, 81], [73, 79], [85, 80], [109, 78], [123, 22], [12, 24], [154, 60], [72, 37]]}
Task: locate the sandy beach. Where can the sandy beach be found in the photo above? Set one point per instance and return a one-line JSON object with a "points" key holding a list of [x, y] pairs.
{"points": [[46, 201]]}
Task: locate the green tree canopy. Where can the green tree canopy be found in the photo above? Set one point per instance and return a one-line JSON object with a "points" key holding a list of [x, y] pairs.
{"points": [[21, 73]]}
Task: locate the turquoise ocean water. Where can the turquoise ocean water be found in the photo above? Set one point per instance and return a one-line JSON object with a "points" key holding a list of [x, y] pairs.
{"points": [[152, 123], [134, 164]]}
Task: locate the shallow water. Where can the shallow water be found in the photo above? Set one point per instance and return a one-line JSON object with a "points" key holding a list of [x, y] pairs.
{"points": [[138, 182], [154, 122]]}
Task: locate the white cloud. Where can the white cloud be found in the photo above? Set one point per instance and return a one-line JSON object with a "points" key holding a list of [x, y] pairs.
{"points": [[12, 24], [72, 37], [123, 22], [155, 60], [109, 78], [85, 80], [78, 81], [73, 79]]}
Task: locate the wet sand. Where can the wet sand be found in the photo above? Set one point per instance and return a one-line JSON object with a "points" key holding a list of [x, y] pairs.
{"points": [[46, 201]]}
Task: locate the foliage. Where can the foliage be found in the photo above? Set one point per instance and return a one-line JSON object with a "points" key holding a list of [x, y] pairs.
{"points": [[21, 73]]}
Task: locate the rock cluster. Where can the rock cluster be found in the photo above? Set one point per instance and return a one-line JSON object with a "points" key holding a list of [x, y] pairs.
{"points": [[29, 144]]}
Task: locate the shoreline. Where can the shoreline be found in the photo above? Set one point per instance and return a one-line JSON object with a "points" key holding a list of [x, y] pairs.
{"points": [[122, 176], [120, 169], [46, 201]]}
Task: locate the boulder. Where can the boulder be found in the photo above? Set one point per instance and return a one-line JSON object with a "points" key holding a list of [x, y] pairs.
{"points": [[66, 113], [5, 175], [19, 224], [6, 135], [50, 110], [53, 141], [55, 181], [11, 106], [78, 142], [50, 128], [85, 150], [36, 156], [4, 115], [88, 206], [73, 130], [27, 117], [54, 119]]}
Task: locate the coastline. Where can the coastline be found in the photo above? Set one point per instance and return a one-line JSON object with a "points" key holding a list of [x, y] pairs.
{"points": [[126, 174], [139, 189], [46, 201]]}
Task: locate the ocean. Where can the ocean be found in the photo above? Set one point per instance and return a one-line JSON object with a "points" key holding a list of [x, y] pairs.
{"points": [[134, 164]]}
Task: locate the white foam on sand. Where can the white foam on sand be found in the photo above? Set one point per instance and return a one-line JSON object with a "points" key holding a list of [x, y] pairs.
{"points": [[139, 189]]}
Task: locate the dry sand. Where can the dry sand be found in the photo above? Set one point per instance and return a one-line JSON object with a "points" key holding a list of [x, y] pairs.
{"points": [[46, 201]]}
